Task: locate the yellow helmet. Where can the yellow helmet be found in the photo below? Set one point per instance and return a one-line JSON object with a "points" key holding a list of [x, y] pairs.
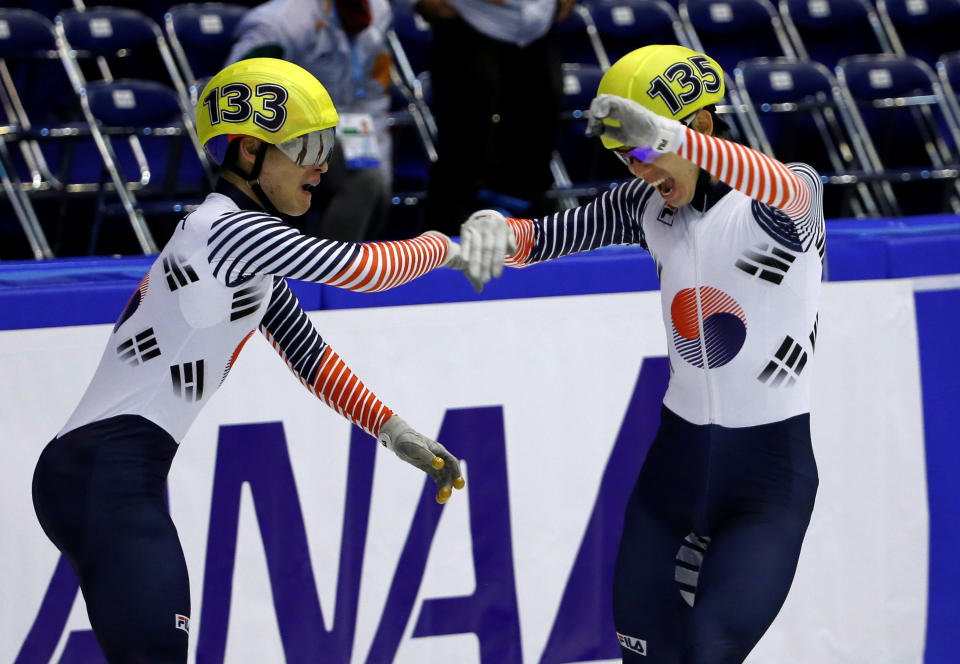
{"points": [[270, 99], [670, 80]]}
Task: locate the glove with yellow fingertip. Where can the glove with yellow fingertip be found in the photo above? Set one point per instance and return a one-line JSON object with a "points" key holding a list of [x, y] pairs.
{"points": [[428, 455]]}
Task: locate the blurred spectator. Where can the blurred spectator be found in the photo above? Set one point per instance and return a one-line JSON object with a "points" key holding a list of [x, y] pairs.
{"points": [[342, 43], [497, 88]]}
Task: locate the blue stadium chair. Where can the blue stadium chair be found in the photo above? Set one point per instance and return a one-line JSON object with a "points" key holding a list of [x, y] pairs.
{"points": [[578, 40], [409, 41], [827, 30], [200, 36], [34, 82], [134, 104], [152, 112], [625, 25], [581, 160], [413, 128], [37, 103], [731, 31], [923, 29], [46, 8], [413, 131], [948, 68], [415, 37], [734, 30], [900, 104], [110, 43], [799, 117]]}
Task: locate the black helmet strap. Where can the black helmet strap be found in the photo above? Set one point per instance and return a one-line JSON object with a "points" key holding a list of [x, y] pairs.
{"points": [[253, 179]]}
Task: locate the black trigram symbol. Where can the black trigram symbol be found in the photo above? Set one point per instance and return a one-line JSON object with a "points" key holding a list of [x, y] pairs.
{"points": [[178, 272], [766, 262], [188, 380], [247, 300], [786, 365], [139, 348]]}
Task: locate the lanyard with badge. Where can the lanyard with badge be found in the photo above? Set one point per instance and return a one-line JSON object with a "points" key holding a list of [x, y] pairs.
{"points": [[356, 132]]}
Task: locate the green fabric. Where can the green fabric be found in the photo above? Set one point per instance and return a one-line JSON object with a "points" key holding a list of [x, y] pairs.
{"points": [[265, 51]]}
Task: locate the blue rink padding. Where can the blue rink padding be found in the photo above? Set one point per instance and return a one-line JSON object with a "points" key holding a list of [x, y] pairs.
{"points": [[938, 316], [93, 291], [85, 291]]}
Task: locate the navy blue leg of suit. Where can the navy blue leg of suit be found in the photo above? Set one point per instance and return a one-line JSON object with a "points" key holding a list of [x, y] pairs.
{"points": [[742, 499], [98, 492]]}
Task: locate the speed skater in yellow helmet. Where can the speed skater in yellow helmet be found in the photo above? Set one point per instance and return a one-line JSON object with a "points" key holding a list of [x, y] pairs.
{"points": [[273, 100], [672, 81]]}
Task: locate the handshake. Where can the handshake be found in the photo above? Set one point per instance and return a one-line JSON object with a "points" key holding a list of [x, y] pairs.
{"points": [[486, 239]]}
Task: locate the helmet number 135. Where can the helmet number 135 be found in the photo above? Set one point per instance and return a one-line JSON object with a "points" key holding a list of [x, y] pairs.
{"points": [[692, 86]]}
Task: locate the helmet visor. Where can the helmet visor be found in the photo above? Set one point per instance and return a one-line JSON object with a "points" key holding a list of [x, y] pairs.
{"points": [[311, 149]]}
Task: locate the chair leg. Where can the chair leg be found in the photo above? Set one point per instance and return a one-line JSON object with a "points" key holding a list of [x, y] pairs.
{"points": [[22, 207]]}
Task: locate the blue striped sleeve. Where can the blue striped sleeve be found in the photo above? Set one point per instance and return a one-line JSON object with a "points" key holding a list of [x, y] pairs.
{"points": [[243, 244], [612, 218]]}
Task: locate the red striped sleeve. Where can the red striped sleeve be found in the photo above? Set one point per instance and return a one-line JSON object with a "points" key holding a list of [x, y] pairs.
{"points": [[340, 389], [383, 265], [523, 233], [755, 174]]}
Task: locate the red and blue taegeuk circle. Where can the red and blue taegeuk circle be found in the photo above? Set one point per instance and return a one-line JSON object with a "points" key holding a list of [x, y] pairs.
{"points": [[724, 326]]}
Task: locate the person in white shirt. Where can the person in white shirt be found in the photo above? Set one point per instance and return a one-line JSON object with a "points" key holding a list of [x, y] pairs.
{"points": [[343, 44]]}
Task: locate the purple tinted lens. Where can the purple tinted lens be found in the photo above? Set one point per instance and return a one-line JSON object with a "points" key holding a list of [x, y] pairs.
{"points": [[644, 154]]}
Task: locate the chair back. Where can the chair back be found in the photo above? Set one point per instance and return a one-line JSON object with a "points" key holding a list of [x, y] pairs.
{"points": [[924, 29], [827, 30], [416, 37], [795, 110], [107, 30], [133, 103], [901, 106], [733, 30], [625, 25], [577, 38], [201, 36]]}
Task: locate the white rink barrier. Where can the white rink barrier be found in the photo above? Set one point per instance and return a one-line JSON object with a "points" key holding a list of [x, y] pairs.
{"points": [[306, 542]]}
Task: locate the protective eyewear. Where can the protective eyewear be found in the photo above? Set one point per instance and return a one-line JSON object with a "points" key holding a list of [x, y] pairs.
{"points": [[643, 154], [647, 154], [311, 149]]}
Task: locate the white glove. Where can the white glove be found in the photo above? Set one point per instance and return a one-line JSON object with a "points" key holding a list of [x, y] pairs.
{"points": [[453, 258], [486, 239], [428, 455], [639, 126]]}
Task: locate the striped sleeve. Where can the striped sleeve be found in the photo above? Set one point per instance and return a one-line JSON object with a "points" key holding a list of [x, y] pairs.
{"points": [[247, 243], [289, 330], [790, 196], [755, 174], [612, 218]]}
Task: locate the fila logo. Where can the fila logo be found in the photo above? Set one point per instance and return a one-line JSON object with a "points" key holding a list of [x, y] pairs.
{"points": [[632, 644], [666, 214], [182, 622]]}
